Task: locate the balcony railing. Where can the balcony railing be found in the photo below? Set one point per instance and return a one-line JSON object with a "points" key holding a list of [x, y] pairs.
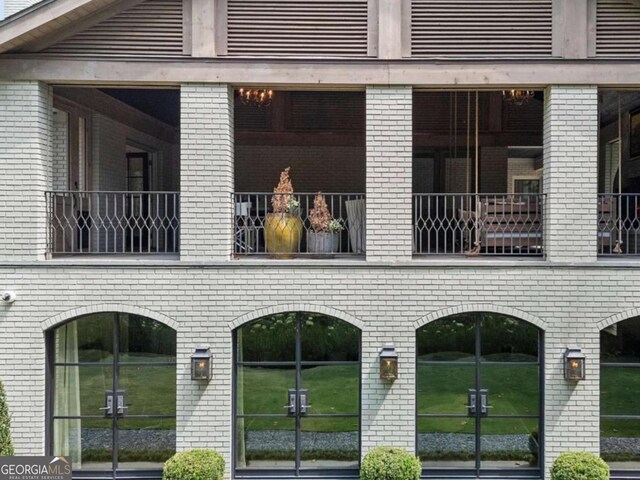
{"points": [[619, 224], [113, 222], [483, 224], [281, 225]]}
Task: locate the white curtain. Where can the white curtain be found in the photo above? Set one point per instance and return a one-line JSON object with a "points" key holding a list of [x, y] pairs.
{"points": [[67, 441]]}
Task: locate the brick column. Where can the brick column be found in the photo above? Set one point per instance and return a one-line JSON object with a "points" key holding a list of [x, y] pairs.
{"points": [[570, 172], [572, 410], [206, 172], [25, 156], [388, 409], [389, 164]]}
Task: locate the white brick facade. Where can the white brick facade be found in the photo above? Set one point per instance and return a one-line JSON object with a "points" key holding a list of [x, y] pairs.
{"points": [[389, 161], [570, 172], [205, 302], [207, 171], [205, 295], [26, 158]]}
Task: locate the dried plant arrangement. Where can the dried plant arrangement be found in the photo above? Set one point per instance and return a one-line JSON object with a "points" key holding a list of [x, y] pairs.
{"points": [[320, 217], [283, 200]]}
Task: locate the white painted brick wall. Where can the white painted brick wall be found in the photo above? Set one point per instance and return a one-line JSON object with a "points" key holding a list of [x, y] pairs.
{"points": [[389, 300], [570, 172], [389, 164], [206, 171], [25, 156], [60, 142]]}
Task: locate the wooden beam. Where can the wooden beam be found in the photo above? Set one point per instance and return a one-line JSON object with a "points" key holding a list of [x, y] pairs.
{"points": [[570, 28], [389, 29], [321, 74], [202, 28]]}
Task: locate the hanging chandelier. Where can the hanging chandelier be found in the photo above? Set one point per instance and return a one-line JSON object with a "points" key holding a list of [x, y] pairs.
{"points": [[259, 97], [517, 97]]}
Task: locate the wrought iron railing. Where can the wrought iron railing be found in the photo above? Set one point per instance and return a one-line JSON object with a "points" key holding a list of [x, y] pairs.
{"points": [[618, 224], [281, 225], [482, 224], [113, 222]]}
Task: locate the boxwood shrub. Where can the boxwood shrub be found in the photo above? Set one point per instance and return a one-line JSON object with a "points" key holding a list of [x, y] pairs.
{"points": [[6, 447], [194, 465], [579, 466], [388, 463]]}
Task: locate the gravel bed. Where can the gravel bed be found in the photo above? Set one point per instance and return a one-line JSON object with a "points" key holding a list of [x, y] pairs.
{"points": [[102, 438], [465, 442], [620, 445], [277, 440]]}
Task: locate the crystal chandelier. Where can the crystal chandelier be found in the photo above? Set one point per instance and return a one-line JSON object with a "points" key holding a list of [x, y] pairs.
{"points": [[259, 97], [517, 97]]}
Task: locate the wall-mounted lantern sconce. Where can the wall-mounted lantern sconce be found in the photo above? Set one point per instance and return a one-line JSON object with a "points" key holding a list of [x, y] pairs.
{"points": [[201, 364], [388, 363], [574, 364]]}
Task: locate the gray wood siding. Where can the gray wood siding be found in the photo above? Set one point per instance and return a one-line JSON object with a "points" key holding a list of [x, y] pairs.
{"points": [[618, 28], [297, 28], [481, 28], [150, 29]]}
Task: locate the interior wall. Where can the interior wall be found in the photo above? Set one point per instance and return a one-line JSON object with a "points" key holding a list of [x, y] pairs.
{"points": [[320, 135], [110, 140], [445, 126], [60, 147], [521, 167], [313, 167]]}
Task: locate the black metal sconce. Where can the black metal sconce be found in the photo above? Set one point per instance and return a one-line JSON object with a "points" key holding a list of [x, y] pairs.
{"points": [[574, 364], [201, 364], [388, 363]]}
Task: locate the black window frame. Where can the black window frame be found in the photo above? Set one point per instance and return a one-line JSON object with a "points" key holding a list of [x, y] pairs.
{"points": [[479, 472], [114, 473], [296, 471]]}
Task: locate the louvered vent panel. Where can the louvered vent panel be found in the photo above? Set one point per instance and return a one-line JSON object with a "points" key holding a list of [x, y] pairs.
{"points": [[618, 28], [297, 28], [152, 28], [481, 28]]}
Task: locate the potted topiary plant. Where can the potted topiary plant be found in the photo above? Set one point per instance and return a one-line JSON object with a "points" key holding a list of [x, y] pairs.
{"points": [[325, 236], [389, 463], [283, 227]]}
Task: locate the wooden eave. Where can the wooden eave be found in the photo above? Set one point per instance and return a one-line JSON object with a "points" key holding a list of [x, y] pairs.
{"points": [[51, 20]]}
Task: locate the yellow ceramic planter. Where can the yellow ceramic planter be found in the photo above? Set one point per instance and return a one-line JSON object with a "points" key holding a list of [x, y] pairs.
{"points": [[282, 234]]}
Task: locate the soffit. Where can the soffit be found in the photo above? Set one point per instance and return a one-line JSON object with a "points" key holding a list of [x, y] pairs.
{"points": [[50, 21]]}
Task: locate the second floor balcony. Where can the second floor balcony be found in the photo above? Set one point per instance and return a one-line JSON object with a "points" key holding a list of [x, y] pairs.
{"points": [[483, 224], [107, 223], [477, 174]]}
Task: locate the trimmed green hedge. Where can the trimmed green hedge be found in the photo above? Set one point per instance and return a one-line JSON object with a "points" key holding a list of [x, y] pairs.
{"points": [[579, 466], [6, 447], [388, 463], [194, 465]]}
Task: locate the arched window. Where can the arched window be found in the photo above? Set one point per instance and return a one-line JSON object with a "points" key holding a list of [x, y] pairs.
{"points": [[112, 400], [297, 395], [479, 392], [619, 390]]}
